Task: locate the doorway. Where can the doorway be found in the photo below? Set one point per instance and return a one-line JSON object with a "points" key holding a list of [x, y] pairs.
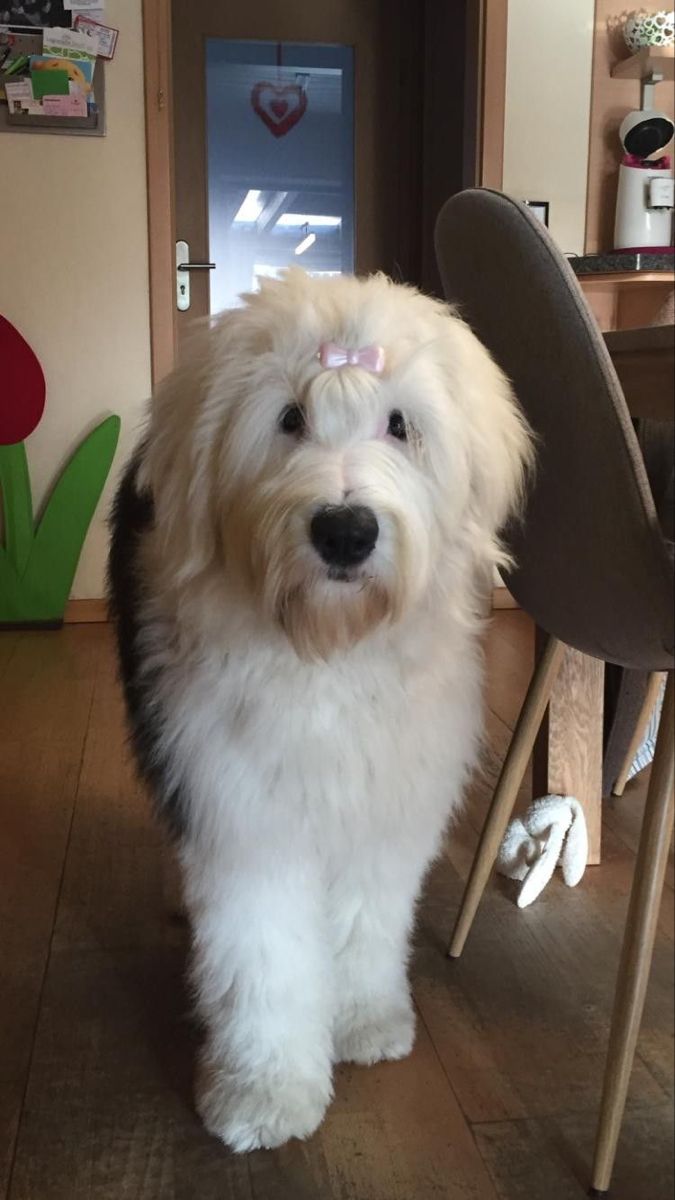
{"points": [[326, 134]]}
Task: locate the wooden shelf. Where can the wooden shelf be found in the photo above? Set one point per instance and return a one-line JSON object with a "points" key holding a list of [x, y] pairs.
{"points": [[648, 61]]}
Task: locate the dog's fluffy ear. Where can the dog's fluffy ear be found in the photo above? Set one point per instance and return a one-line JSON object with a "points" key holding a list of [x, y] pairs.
{"points": [[501, 444], [188, 416]]}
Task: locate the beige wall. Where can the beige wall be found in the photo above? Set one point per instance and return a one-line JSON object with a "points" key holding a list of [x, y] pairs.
{"points": [[74, 275], [546, 127]]}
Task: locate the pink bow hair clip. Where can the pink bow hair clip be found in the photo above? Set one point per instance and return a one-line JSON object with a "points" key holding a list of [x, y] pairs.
{"points": [[371, 358]]}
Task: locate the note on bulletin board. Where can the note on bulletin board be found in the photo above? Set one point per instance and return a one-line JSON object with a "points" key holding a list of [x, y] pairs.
{"points": [[20, 98], [49, 83], [102, 39], [80, 73], [66, 43], [72, 105]]}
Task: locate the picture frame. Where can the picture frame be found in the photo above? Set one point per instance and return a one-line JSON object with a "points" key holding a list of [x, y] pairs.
{"points": [[540, 210]]}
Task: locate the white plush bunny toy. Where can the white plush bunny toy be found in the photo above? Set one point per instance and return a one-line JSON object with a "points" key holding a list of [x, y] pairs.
{"points": [[553, 830]]}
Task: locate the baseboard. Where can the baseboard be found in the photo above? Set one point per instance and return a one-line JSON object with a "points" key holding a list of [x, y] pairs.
{"points": [[502, 598], [83, 612]]}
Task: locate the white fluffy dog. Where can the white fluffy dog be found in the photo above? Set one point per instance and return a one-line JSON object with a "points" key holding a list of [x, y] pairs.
{"points": [[299, 547]]}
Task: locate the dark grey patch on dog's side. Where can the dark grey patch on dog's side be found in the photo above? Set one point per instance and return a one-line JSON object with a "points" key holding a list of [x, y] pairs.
{"points": [[132, 516]]}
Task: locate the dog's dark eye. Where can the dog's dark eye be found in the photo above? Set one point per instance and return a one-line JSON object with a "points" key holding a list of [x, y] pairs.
{"points": [[397, 425], [292, 419]]}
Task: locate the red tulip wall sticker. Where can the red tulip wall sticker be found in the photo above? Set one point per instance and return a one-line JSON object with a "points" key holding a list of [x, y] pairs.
{"points": [[38, 559]]}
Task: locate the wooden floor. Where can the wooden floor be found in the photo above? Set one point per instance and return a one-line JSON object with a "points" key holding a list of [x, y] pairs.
{"points": [[499, 1097]]}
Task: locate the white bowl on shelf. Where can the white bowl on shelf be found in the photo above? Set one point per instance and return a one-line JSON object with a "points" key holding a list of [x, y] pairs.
{"points": [[649, 29]]}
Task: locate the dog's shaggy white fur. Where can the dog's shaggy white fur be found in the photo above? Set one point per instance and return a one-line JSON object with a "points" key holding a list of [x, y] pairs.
{"points": [[308, 731]]}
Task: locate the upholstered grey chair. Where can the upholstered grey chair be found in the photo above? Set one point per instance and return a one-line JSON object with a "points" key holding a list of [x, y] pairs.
{"points": [[591, 564]]}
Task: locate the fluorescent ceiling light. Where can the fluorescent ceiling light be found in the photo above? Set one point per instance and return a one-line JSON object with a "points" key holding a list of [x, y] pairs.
{"points": [[250, 209], [298, 219], [305, 244]]}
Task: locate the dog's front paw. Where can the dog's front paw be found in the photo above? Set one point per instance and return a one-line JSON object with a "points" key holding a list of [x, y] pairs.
{"points": [[374, 1036], [260, 1114]]}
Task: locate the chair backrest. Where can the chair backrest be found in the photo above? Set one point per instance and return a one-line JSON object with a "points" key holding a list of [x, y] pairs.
{"points": [[591, 564]]}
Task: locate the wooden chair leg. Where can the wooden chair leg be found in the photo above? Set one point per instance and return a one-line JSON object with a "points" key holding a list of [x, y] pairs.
{"points": [[651, 696], [638, 945], [510, 779]]}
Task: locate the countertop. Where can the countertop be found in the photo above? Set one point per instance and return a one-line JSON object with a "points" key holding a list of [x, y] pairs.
{"points": [[619, 262]]}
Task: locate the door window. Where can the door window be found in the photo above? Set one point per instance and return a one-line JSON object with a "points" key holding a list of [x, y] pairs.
{"points": [[280, 145]]}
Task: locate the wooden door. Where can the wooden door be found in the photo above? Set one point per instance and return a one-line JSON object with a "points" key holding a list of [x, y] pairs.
{"points": [[383, 44]]}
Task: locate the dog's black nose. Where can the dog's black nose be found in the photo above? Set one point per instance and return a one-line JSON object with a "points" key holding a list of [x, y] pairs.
{"points": [[344, 536]]}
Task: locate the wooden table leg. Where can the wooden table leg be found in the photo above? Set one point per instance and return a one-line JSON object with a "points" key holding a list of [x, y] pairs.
{"points": [[568, 752]]}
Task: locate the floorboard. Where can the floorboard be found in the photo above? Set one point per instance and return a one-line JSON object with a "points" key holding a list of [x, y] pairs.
{"points": [[97, 1044], [623, 815], [120, 886], [548, 1159], [45, 700]]}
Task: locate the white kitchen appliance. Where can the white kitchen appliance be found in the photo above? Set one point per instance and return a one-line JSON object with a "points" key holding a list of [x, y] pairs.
{"points": [[644, 203]]}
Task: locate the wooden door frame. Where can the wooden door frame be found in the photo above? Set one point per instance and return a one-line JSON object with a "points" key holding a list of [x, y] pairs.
{"points": [[483, 160], [485, 92], [159, 165]]}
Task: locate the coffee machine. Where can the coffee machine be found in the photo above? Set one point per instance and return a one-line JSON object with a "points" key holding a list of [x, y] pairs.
{"points": [[644, 202]]}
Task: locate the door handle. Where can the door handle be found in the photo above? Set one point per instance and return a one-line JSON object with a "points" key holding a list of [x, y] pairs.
{"points": [[183, 268]]}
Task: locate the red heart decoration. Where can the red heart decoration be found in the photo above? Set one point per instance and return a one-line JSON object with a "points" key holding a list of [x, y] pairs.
{"points": [[22, 386], [279, 107]]}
